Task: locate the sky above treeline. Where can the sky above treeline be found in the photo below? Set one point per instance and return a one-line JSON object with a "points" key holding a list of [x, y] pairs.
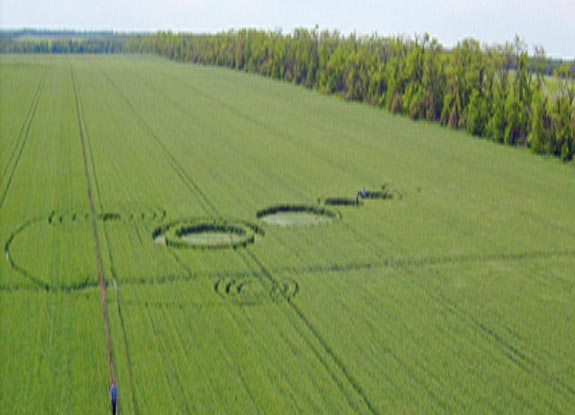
{"points": [[549, 23]]}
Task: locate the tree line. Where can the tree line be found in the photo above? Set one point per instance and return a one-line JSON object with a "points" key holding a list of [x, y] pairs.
{"points": [[499, 92], [61, 41]]}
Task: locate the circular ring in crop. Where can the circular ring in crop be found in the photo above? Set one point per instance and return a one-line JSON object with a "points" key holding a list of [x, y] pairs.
{"points": [[286, 289], [297, 215], [251, 291], [207, 233], [245, 291]]}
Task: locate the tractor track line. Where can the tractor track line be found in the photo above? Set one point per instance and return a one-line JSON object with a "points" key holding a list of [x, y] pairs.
{"points": [[24, 134], [128, 356], [510, 352], [94, 225], [21, 134], [86, 144], [176, 166], [322, 342], [287, 137], [114, 277], [173, 380], [178, 169], [286, 183]]}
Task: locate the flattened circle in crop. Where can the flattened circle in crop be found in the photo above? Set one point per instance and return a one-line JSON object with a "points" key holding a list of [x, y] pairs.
{"points": [[206, 234], [296, 215]]}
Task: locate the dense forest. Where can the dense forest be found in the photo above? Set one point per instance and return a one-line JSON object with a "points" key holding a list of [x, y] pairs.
{"points": [[498, 92]]}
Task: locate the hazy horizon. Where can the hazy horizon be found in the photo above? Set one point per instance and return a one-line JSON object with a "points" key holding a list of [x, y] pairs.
{"points": [[489, 21]]}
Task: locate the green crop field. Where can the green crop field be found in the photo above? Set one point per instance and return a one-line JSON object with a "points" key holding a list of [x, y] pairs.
{"points": [[203, 223]]}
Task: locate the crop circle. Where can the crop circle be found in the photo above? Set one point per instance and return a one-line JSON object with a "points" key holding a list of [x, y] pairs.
{"points": [[251, 291], [342, 201], [385, 193], [296, 215], [206, 234]]}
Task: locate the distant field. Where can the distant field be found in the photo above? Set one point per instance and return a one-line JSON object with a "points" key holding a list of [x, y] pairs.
{"points": [[214, 214]]}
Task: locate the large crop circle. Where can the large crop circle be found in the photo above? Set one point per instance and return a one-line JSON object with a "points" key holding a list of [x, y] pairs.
{"points": [[296, 215], [206, 234]]}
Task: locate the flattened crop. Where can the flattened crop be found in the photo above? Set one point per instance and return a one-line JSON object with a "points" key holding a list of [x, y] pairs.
{"points": [[297, 215]]}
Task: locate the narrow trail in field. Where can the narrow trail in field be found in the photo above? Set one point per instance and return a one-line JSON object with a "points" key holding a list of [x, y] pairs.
{"points": [[114, 277], [285, 182], [511, 352], [182, 173], [327, 349], [94, 225], [285, 136], [334, 268], [22, 140]]}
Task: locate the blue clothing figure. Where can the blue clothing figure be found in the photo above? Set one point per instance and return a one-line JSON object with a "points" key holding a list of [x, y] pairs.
{"points": [[364, 193], [113, 396]]}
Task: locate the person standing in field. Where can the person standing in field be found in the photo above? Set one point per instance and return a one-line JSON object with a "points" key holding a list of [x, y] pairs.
{"points": [[113, 396]]}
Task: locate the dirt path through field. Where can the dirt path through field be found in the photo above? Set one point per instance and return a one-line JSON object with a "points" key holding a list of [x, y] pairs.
{"points": [[93, 222]]}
